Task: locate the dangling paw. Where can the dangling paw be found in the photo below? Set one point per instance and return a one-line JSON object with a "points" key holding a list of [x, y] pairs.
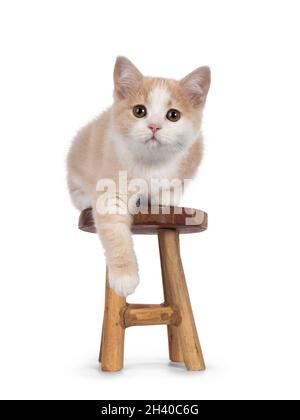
{"points": [[123, 285]]}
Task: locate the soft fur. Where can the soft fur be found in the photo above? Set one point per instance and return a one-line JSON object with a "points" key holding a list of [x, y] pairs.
{"points": [[118, 141]]}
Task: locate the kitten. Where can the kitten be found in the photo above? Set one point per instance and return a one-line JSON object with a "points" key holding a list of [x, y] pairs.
{"points": [[152, 130]]}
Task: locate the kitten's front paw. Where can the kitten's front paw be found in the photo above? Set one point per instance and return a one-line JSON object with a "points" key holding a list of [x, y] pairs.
{"points": [[124, 285]]}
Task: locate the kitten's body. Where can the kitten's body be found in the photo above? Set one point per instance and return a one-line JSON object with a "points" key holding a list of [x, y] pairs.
{"points": [[118, 141]]}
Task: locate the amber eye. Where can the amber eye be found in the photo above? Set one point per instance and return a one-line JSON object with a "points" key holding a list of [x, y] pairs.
{"points": [[173, 115], [139, 111]]}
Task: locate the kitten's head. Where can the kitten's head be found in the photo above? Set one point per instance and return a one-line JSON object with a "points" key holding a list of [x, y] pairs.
{"points": [[157, 118]]}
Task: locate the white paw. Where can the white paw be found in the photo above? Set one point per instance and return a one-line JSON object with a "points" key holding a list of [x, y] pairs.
{"points": [[124, 285]]}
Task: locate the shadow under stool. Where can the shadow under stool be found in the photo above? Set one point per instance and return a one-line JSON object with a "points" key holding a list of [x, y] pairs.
{"points": [[176, 311]]}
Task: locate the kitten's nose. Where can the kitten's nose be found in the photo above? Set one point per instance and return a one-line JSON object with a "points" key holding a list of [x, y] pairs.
{"points": [[154, 127]]}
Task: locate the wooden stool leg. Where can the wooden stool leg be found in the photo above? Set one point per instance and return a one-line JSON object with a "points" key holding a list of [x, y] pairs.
{"points": [[175, 353], [113, 334], [100, 352], [189, 342]]}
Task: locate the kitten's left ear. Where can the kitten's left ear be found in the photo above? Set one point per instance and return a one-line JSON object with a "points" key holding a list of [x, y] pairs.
{"points": [[126, 77], [196, 85]]}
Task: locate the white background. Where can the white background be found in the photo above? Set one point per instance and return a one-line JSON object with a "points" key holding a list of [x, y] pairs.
{"points": [[56, 68]]}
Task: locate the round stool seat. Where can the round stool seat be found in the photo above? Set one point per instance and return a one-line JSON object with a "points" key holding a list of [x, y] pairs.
{"points": [[181, 219]]}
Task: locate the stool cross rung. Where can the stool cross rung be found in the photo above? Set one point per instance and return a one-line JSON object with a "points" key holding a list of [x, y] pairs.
{"points": [[139, 314]]}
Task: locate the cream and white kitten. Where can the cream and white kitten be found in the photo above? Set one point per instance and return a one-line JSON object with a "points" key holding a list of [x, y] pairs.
{"points": [[152, 131]]}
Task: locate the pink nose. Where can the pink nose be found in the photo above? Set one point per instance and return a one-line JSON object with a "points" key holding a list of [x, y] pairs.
{"points": [[154, 127]]}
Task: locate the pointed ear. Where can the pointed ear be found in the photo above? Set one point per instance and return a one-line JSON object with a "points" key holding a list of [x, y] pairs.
{"points": [[196, 85], [126, 77]]}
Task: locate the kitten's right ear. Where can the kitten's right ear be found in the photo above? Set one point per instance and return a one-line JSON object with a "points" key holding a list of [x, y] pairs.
{"points": [[196, 85], [126, 77]]}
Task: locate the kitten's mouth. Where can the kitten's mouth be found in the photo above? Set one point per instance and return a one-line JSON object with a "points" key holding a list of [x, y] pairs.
{"points": [[153, 139]]}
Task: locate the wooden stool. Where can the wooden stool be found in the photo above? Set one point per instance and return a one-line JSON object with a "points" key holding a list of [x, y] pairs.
{"points": [[175, 312]]}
